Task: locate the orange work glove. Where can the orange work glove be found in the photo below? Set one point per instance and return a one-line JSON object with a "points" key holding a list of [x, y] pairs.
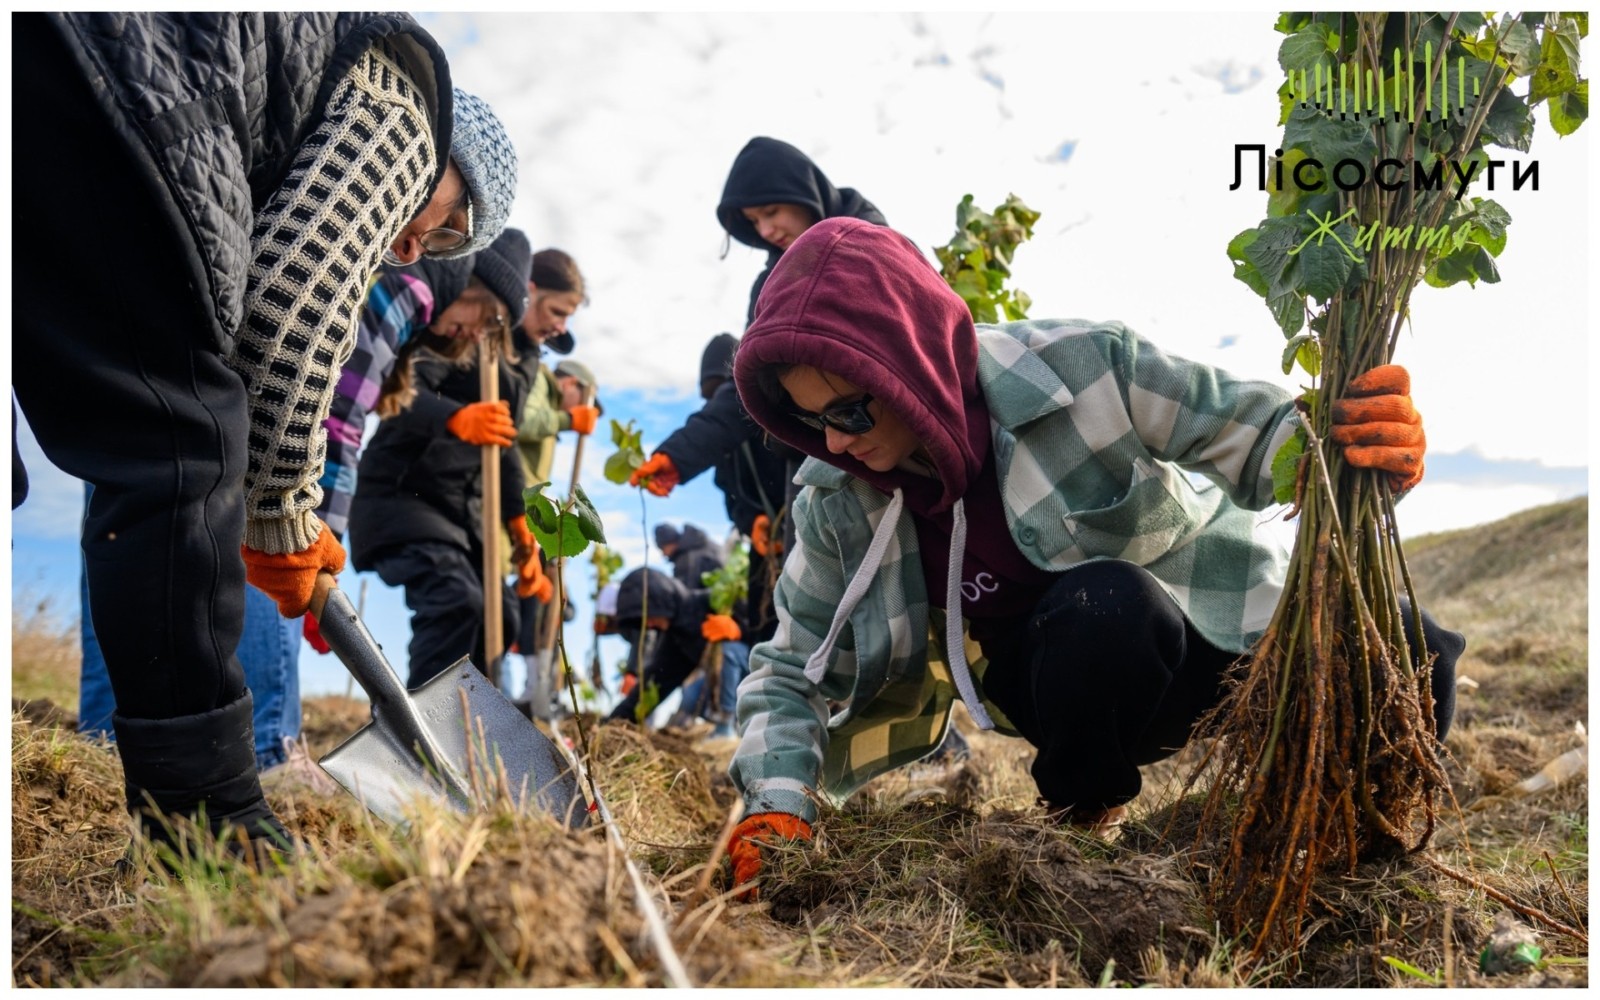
{"points": [[290, 577], [761, 537], [720, 628], [658, 475], [584, 418], [313, 635], [1379, 428], [531, 581], [744, 847], [629, 682], [484, 423]]}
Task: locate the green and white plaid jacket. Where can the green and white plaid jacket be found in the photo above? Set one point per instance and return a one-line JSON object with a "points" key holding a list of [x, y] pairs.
{"points": [[1093, 426]]}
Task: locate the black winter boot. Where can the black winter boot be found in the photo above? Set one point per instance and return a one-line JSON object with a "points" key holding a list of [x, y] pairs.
{"points": [[199, 765]]}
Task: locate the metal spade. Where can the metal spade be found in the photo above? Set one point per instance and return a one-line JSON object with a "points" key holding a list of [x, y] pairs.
{"points": [[456, 739]]}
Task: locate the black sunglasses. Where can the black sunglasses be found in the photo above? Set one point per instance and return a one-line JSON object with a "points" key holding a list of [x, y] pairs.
{"points": [[847, 418]]}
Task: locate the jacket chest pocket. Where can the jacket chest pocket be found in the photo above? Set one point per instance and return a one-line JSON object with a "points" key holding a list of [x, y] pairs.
{"points": [[1159, 513]]}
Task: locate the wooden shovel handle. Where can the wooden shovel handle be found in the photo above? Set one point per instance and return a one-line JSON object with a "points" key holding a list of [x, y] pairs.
{"points": [[326, 582]]}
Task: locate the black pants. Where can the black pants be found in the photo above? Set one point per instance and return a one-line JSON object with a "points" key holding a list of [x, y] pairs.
{"points": [[670, 660], [122, 382], [1108, 675], [444, 590]]}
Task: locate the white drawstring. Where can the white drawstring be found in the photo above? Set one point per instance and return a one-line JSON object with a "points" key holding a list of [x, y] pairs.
{"points": [[954, 641], [955, 646], [817, 664]]}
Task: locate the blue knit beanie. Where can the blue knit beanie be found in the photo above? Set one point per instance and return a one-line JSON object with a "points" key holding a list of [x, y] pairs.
{"points": [[487, 160]]}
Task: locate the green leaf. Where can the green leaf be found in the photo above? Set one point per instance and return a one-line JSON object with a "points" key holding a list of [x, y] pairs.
{"points": [[1288, 311], [1519, 46], [1293, 348], [1510, 123], [1269, 252], [539, 509], [619, 467], [1305, 48], [1286, 466], [1488, 225], [729, 584], [1412, 970], [1325, 263], [561, 531], [1570, 110], [1558, 62], [649, 698], [629, 454], [588, 518], [1472, 265], [1243, 269], [1329, 140], [1283, 201]]}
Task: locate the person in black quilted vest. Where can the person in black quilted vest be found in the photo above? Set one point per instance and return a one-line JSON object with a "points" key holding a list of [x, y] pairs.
{"points": [[230, 182]]}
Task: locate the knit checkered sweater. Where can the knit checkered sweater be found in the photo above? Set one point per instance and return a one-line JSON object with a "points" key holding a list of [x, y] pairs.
{"points": [[356, 182]]}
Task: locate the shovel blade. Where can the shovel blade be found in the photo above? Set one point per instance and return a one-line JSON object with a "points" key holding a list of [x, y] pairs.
{"points": [[476, 738]]}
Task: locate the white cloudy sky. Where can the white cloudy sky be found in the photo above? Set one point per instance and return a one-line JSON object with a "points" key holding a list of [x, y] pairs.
{"points": [[1119, 128]]}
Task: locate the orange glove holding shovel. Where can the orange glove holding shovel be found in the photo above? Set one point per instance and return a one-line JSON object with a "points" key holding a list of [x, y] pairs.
{"points": [[744, 847], [531, 581], [290, 577], [584, 418], [1379, 428], [484, 423]]}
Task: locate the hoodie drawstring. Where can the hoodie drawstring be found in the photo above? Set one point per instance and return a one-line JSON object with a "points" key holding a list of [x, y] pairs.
{"points": [[955, 647], [954, 642], [817, 664]]}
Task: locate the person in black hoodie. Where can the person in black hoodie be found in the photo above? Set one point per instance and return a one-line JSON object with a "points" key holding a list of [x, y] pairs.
{"points": [[416, 517], [683, 622], [691, 552], [773, 194], [751, 476]]}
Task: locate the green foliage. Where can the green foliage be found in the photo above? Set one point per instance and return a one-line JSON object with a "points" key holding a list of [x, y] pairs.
{"points": [[1325, 242], [565, 529], [731, 583], [1431, 978], [629, 454], [607, 563], [1286, 467], [649, 698], [977, 260]]}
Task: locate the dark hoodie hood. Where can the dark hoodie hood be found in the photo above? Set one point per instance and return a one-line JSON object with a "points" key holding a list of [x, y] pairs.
{"points": [[716, 361], [684, 608], [860, 301], [769, 171]]}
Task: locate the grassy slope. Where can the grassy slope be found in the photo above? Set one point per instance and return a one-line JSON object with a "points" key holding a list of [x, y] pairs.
{"points": [[926, 878]]}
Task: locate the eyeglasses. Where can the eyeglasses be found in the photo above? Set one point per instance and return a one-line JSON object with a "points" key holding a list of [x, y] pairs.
{"points": [[444, 240], [847, 418], [438, 240]]}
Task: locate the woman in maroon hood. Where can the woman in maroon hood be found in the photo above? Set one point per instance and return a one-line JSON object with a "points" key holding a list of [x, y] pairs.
{"points": [[1019, 487]]}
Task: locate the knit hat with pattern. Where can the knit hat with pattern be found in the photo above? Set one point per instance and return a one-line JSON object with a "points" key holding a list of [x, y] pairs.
{"points": [[501, 266], [487, 160]]}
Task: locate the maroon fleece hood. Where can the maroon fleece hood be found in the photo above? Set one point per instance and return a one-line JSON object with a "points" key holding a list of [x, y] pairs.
{"points": [[860, 301]]}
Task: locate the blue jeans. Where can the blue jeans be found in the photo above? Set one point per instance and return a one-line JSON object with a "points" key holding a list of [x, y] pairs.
{"points": [[269, 651], [735, 664]]}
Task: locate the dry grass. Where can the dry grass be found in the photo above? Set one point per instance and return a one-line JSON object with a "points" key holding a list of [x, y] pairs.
{"points": [[931, 877]]}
